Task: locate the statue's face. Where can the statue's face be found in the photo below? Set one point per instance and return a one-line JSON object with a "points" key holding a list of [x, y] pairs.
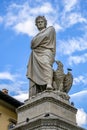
{"points": [[40, 24]]}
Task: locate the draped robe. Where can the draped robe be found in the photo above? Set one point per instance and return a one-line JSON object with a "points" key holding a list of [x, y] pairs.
{"points": [[39, 69]]}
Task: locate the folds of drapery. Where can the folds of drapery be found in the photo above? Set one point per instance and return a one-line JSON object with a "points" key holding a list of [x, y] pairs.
{"points": [[43, 46]]}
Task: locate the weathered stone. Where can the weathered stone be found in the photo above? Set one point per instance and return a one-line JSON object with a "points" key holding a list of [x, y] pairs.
{"points": [[48, 107], [48, 124], [47, 111]]}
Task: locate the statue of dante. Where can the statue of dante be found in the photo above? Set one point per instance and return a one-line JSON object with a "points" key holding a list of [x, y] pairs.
{"points": [[43, 45]]}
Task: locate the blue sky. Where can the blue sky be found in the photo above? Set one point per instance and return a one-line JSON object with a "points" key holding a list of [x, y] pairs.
{"points": [[17, 27]]}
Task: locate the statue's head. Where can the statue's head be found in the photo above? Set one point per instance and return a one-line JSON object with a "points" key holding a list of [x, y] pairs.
{"points": [[59, 63], [41, 22]]}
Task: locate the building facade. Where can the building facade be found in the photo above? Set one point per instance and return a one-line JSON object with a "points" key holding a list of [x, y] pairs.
{"points": [[8, 105]]}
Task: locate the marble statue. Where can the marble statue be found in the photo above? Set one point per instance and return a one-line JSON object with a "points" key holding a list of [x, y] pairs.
{"points": [[39, 69], [58, 76], [68, 81], [61, 81]]}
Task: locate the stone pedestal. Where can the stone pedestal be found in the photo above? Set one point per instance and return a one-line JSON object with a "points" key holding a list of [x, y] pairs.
{"points": [[49, 110]]}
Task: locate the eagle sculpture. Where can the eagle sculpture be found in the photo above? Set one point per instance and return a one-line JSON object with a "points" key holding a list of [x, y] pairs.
{"points": [[62, 81]]}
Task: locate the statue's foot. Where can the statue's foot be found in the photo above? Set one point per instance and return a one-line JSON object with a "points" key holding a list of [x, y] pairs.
{"points": [[49, 87]]}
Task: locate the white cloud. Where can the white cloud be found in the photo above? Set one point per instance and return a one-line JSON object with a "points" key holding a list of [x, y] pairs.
{"points": [[80, 98], [22, 20], [22, 97], [1, 19], [57, 27], [72, 45], [26, 27], [74, 18], [16, 87], [69, 4], [7, 75], [71, 14], [79, 94], [9, 87], [20, 17], [77, 59], [45, 8], [15, 83], [81, 117], [80, 80]]}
